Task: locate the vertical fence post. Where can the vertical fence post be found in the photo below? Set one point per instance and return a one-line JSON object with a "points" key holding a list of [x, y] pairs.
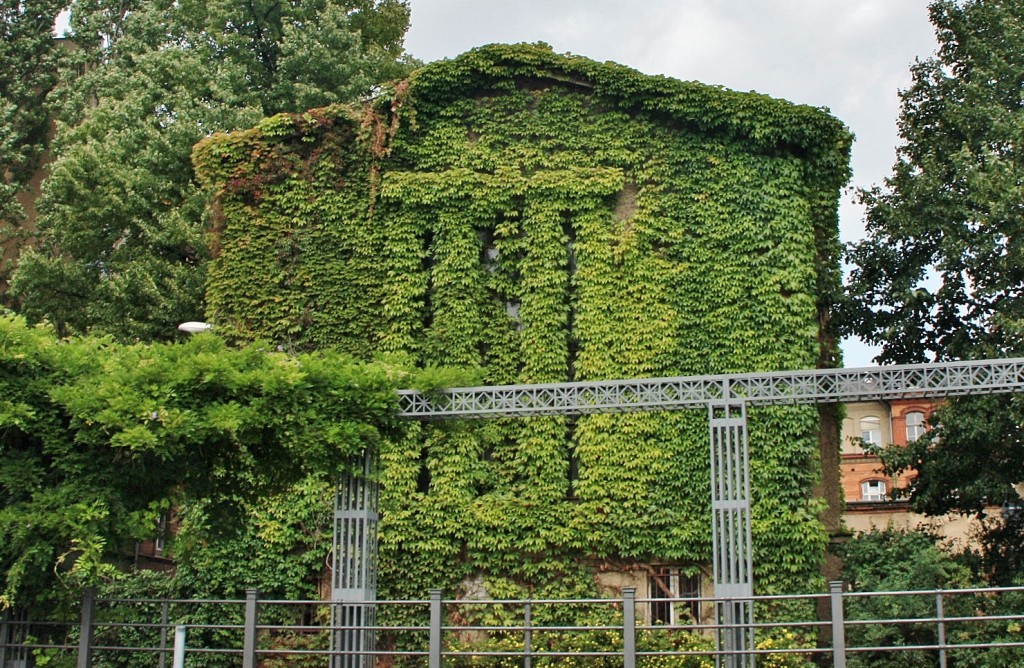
{"points": [[434, 660], [940, 615], [4, 634], [249, 633], [164, 618], [527, 637], [85, 632], [835, 593], [629, 627], [178, 660]]}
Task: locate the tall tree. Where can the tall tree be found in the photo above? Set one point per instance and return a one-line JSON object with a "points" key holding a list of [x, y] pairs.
{"points": [[941, 272], [28, 71], [122, 247]]}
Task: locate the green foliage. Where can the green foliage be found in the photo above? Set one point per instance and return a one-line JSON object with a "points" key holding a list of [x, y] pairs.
{"points": [[536, 218], [940, 273], [652, 641], [99, 439], [949, 214], [892, 560], [897, 561], [281, 550], [122, 247], [28, 70]]}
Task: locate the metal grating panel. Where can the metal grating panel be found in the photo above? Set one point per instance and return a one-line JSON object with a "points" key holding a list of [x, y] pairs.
{"points": [[354, 579], [354, 635], [731, 535]]}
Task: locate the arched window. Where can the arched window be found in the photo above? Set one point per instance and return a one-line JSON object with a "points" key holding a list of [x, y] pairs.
{"points": [[916, 426], [871, 429], [872, 490]]}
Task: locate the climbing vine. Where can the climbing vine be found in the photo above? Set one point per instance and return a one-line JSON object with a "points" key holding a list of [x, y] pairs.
{"points": [[542, 218]]}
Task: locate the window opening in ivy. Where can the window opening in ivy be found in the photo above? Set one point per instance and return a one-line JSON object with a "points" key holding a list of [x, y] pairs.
{"points": [[574, 460], [573, 344], [675, 596], [162, 529], [490, 255], [423, 477], [512, 310]]}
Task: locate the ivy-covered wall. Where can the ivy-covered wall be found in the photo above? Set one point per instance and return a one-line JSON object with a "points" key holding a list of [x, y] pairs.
{"points": [[541, 217]]}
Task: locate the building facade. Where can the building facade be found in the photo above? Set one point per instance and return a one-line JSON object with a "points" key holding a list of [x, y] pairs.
{"points": [[872, 498]]}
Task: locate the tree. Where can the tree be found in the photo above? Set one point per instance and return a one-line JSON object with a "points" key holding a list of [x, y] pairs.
{"points": [[898, 561], [28, 71], [941, 272], [951, 214], [97, 439], [122, 243]]}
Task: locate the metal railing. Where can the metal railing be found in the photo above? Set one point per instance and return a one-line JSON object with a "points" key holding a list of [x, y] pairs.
{"points": [[942, 628]]}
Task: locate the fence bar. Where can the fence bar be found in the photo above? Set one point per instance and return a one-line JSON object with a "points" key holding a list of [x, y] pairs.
{"points": [[164, 617], [179, 646], [249, 637], [85, 634], [527, 636], [435, 629], [835, 592], [940, 616], [629, 627]]}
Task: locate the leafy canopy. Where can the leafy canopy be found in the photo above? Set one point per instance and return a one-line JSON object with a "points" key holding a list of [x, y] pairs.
{"points": [[941, 272], [29, 58], [122, 243], [98, 439]]}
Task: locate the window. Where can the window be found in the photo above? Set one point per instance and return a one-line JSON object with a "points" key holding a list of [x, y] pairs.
{"points": [[666, 585], [163, 524], [871, 430], [872, 490], [915, 426]]}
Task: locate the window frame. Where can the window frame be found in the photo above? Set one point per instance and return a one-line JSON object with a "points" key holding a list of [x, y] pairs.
{"points": [[920, 428], [875, 496], [674, 596], [874, 436]]}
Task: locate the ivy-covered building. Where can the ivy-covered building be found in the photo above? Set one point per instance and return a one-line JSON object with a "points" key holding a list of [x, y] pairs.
{"points": [[539, 217]]}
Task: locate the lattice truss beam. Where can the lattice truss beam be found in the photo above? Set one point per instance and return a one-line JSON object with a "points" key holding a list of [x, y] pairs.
{"points": [[902, 381]]}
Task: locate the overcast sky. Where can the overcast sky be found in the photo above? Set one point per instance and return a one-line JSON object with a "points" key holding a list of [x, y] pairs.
{"points": [[851, 56]]}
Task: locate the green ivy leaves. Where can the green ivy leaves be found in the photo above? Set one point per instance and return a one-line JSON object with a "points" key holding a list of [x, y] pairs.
{"points": [[541, 218]]}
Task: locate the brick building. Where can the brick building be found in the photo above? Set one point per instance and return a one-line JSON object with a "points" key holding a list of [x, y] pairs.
{"points": [[868, 491]]}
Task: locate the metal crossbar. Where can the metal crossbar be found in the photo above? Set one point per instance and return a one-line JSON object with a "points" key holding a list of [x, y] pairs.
{"points": [[816, 386]]}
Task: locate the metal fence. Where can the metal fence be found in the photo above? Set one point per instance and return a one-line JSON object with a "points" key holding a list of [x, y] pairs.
{"points": [[968, 627]]}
